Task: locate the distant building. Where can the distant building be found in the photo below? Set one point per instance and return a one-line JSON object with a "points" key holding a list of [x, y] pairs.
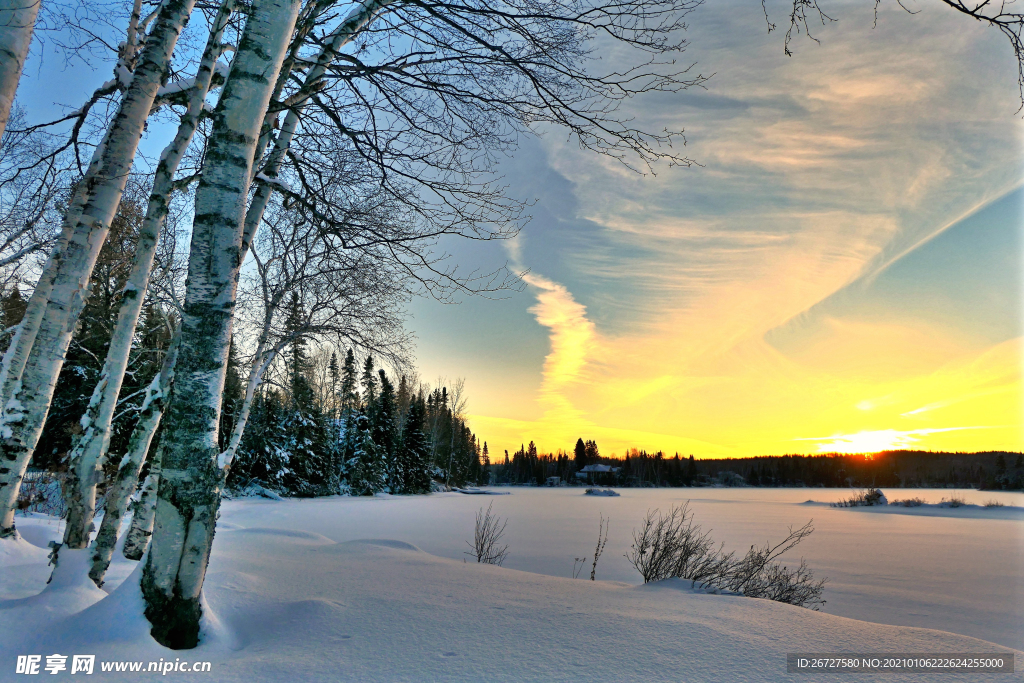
{"points": [[554, 481], [593, 472]]}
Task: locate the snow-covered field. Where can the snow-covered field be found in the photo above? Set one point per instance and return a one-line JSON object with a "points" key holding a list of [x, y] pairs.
{"points": [[296, 592]]}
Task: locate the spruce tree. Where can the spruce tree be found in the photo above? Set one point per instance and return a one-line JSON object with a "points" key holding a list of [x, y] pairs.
{"points": [[368, 473], [383, 428], [348, 398], [12, 309], [369, 383], [262, 454], [231, 401], [580, 454], [414, 454]]}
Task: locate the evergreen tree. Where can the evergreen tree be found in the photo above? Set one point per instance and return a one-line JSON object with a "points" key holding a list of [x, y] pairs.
{"points": [[414, 454], [231, 401], [88, 349], [335, 375], [298, 361], [384, 430], [368, 471], [12, 309], [262, 453], [369, 382], [348, 397], [580, 454]]}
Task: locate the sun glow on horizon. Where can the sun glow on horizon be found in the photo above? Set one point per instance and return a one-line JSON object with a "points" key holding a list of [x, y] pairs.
{"points": [[876, 441]]}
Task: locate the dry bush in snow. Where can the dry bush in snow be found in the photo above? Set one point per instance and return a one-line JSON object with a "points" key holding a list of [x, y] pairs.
{"points": [[673, 546], [486, 546]]}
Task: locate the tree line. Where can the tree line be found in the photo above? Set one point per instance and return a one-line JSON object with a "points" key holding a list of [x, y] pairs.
{"points": [[994, 470], [363, 435]]}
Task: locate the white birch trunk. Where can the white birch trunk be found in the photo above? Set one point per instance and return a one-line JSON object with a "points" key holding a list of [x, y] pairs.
{"points": [[17, 21], [189, 493], [89, 454], [141, 529], [127, 477], [100, 194], [11, 468]]}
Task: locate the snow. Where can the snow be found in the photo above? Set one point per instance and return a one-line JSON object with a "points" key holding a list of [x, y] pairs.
{"points": [[611, 493], [123, 76], [300, 590], [473, 491], [175, 87], [273, 182]]}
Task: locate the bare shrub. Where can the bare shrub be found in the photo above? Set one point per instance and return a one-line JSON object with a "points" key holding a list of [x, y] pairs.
{"points": [[860, 498], [908, 502], [487, 537], [42, 492], [602, 540], [993, 504], [673, 546], [954, 501], [760, 574]]}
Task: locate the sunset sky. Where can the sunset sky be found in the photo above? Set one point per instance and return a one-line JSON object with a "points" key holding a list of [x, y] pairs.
{"points": [[841, 273]]}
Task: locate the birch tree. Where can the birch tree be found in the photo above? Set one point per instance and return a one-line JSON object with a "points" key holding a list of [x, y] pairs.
{"points": [[124, 482], [89, 454], [17, 21], [35, 358], [189, 492]]}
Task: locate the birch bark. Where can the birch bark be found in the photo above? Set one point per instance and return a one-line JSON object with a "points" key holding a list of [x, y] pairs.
{"points": [[127, 477], [17, 21], [189, 492], [89, 454], [99, 195], [141, 529]]}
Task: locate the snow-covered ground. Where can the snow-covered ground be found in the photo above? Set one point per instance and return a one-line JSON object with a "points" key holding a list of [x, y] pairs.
{"points": [[296, 593]]}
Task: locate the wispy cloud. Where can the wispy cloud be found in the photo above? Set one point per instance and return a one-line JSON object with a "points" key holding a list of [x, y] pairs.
{"points": [[572, 336]]}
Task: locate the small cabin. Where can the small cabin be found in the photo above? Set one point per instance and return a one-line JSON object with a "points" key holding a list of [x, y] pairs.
{"points": [[595, 473]]}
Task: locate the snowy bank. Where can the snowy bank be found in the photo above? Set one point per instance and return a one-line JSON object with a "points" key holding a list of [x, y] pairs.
{"points": [[287, 605], [296, 593]]}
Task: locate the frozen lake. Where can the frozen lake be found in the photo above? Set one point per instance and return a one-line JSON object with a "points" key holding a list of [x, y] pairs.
{"points": [[956, 570]]}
